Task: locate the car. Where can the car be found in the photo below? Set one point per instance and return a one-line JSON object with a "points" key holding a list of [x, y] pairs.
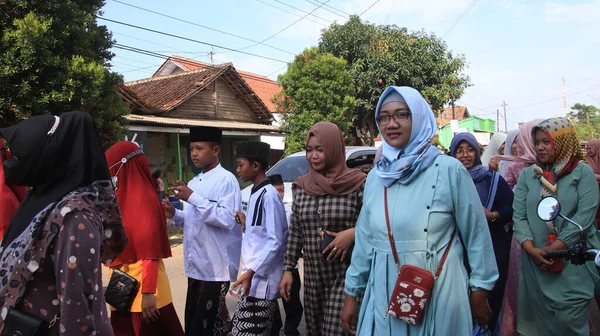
{"points": [[296, 165]]}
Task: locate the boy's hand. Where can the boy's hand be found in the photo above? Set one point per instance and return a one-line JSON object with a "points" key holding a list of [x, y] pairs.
{"points": [[246, 281]]}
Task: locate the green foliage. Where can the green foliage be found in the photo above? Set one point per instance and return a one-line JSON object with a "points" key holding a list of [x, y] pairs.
{"points": [[316, 87], [586, 119], [52, 60], [379, 56]]}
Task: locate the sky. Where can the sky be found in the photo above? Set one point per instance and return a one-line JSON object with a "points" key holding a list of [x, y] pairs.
{"points": [[517, 51]]}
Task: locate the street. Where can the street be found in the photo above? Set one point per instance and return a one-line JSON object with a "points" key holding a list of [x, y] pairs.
{"points": [[178, 281]]}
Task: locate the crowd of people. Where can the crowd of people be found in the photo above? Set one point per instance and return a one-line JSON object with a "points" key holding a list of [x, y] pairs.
{"points": [[425, 244]]}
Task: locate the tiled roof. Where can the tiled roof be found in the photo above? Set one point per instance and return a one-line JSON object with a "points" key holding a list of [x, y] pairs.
{"points": [[445, 115], [264, 87], [164, 93], [181, 122]]}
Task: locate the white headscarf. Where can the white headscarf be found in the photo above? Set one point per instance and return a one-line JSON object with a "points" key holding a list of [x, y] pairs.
{"points": [[493, 148]]}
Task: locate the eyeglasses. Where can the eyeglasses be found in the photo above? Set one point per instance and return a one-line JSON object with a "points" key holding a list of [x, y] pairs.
{"points": [[468, 151], [398, 116]]}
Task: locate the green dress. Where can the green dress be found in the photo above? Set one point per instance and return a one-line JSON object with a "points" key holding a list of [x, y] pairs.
{"points": [[556, 303]]}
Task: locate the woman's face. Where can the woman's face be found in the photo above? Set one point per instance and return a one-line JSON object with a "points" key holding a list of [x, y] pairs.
{"points": [[543, 147], [514, 147], [395, 122], [466, 154], [315, 154], [501, 149], [590, 151]]}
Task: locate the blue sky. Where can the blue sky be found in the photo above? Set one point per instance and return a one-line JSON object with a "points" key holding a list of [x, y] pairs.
{"points": [[517, 51]]}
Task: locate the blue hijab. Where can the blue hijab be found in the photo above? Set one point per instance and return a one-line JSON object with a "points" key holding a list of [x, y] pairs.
{"points": [[403, 165], [478, 172]]}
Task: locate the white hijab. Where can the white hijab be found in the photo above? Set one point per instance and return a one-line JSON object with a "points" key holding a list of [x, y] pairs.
{"points": [[493, 148]]}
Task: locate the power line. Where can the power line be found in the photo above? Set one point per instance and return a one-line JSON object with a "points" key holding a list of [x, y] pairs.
{"points": [[337, 11], [373, 4], [201, 26], [559, 98], [276, 71], [460, 18], [166, 57], [139, 39], [296, 14], [303, 11], [190, 40], [389, 13], [287, 27]]}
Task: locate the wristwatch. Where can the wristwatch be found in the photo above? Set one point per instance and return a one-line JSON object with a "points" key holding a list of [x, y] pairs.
{"points": [[288, 269]]}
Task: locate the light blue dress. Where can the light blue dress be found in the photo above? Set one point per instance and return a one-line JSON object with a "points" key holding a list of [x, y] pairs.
{"points": [[423, 215]]}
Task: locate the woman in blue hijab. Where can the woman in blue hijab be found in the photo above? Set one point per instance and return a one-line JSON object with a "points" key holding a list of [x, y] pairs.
{"points": [[496, 197], [429, 196]]}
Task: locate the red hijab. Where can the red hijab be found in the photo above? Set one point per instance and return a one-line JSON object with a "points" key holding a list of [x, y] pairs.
{"points": [[142, 212], [10, 195], [338, 178]]}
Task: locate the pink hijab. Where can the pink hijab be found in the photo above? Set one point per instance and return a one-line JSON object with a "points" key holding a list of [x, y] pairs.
{"points": [[525, 143], [338, 179]]}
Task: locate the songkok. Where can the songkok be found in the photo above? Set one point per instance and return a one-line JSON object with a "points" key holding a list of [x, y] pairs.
{"points": [[276, 179], [254, 151], [393, 96], [205, 134]]}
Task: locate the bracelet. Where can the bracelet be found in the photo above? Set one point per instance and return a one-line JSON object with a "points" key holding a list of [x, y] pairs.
{"points": [[288, 269]]}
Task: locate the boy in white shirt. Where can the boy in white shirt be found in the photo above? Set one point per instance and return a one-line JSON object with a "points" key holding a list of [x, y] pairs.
{"points": [[263, 246]]}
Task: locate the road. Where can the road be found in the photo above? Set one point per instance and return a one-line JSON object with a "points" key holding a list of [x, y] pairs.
{"points": [[178, 281]]}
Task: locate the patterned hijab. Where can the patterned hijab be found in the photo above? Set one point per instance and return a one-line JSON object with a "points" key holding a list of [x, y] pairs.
{"points": [[403, 165], [594, 161], [564, 140], [337, 179]]}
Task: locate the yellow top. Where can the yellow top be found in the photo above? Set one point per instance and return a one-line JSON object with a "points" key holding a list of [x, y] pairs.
{"points": [[163, 288]]}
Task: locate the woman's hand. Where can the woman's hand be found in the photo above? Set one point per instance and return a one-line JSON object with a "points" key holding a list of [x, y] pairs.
{"points": [[493, 164], [150, 312], [285, 286], [350, 315], [538, 257], [491, 215], [480, 308], [341, 245]]}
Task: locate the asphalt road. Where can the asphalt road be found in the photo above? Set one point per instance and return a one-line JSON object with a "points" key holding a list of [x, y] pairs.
{"points": [[178, 281]]}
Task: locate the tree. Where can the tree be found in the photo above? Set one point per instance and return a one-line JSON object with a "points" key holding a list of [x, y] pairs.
{"points": [[316, 87], [53, 59], [586, 120], [379, 56], [583, 113]]}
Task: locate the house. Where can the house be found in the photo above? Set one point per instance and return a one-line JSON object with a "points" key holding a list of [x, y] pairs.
{"points": [[482, 128], [264, 88], [445, 115], [165, 106]]}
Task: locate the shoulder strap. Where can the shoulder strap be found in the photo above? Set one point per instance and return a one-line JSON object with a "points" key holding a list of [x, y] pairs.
{"points": [[393, 243], [493, 189]]}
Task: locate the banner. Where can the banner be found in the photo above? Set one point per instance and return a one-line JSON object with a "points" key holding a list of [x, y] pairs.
{"points": [[139, 138]]}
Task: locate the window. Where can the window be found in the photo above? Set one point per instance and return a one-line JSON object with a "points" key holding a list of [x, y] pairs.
{"points": [[290, 168]]}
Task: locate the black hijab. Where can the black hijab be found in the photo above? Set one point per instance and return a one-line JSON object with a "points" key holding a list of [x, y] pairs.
{"points": [[52, 163]]}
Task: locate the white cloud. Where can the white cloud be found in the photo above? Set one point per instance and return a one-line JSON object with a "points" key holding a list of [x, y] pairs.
{"points": [[573, 12]]}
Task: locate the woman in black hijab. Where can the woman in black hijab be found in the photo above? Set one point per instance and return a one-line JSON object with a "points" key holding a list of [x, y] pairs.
{"points": [[68, 224]]}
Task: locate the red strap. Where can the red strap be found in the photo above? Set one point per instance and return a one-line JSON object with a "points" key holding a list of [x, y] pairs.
{"points": [[393, 244]]}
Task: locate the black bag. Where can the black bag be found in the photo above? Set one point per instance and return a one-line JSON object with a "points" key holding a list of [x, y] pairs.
{"points": [[19, 323], [327, 239], [121, 291]]}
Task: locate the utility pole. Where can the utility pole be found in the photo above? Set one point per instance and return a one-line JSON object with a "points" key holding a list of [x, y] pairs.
{"points": [[564, 96], [212, 53], [505, 123], [497, 120], [453, 116]]}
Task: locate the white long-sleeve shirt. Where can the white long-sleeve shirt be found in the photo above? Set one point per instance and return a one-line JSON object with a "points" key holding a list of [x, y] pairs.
{"points": [[208, 218], [264, 243]]}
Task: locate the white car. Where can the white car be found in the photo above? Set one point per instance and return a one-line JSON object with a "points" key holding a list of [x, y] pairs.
{"points": [[296, 165]]}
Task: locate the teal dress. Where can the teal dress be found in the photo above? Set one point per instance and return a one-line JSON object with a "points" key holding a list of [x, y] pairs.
{"points": [[551, 303], [423, 216]]}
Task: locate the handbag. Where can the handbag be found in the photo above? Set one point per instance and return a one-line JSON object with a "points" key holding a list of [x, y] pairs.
{"points": [[121, 291], [324, 238], [414, 284], [22, 324]]}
